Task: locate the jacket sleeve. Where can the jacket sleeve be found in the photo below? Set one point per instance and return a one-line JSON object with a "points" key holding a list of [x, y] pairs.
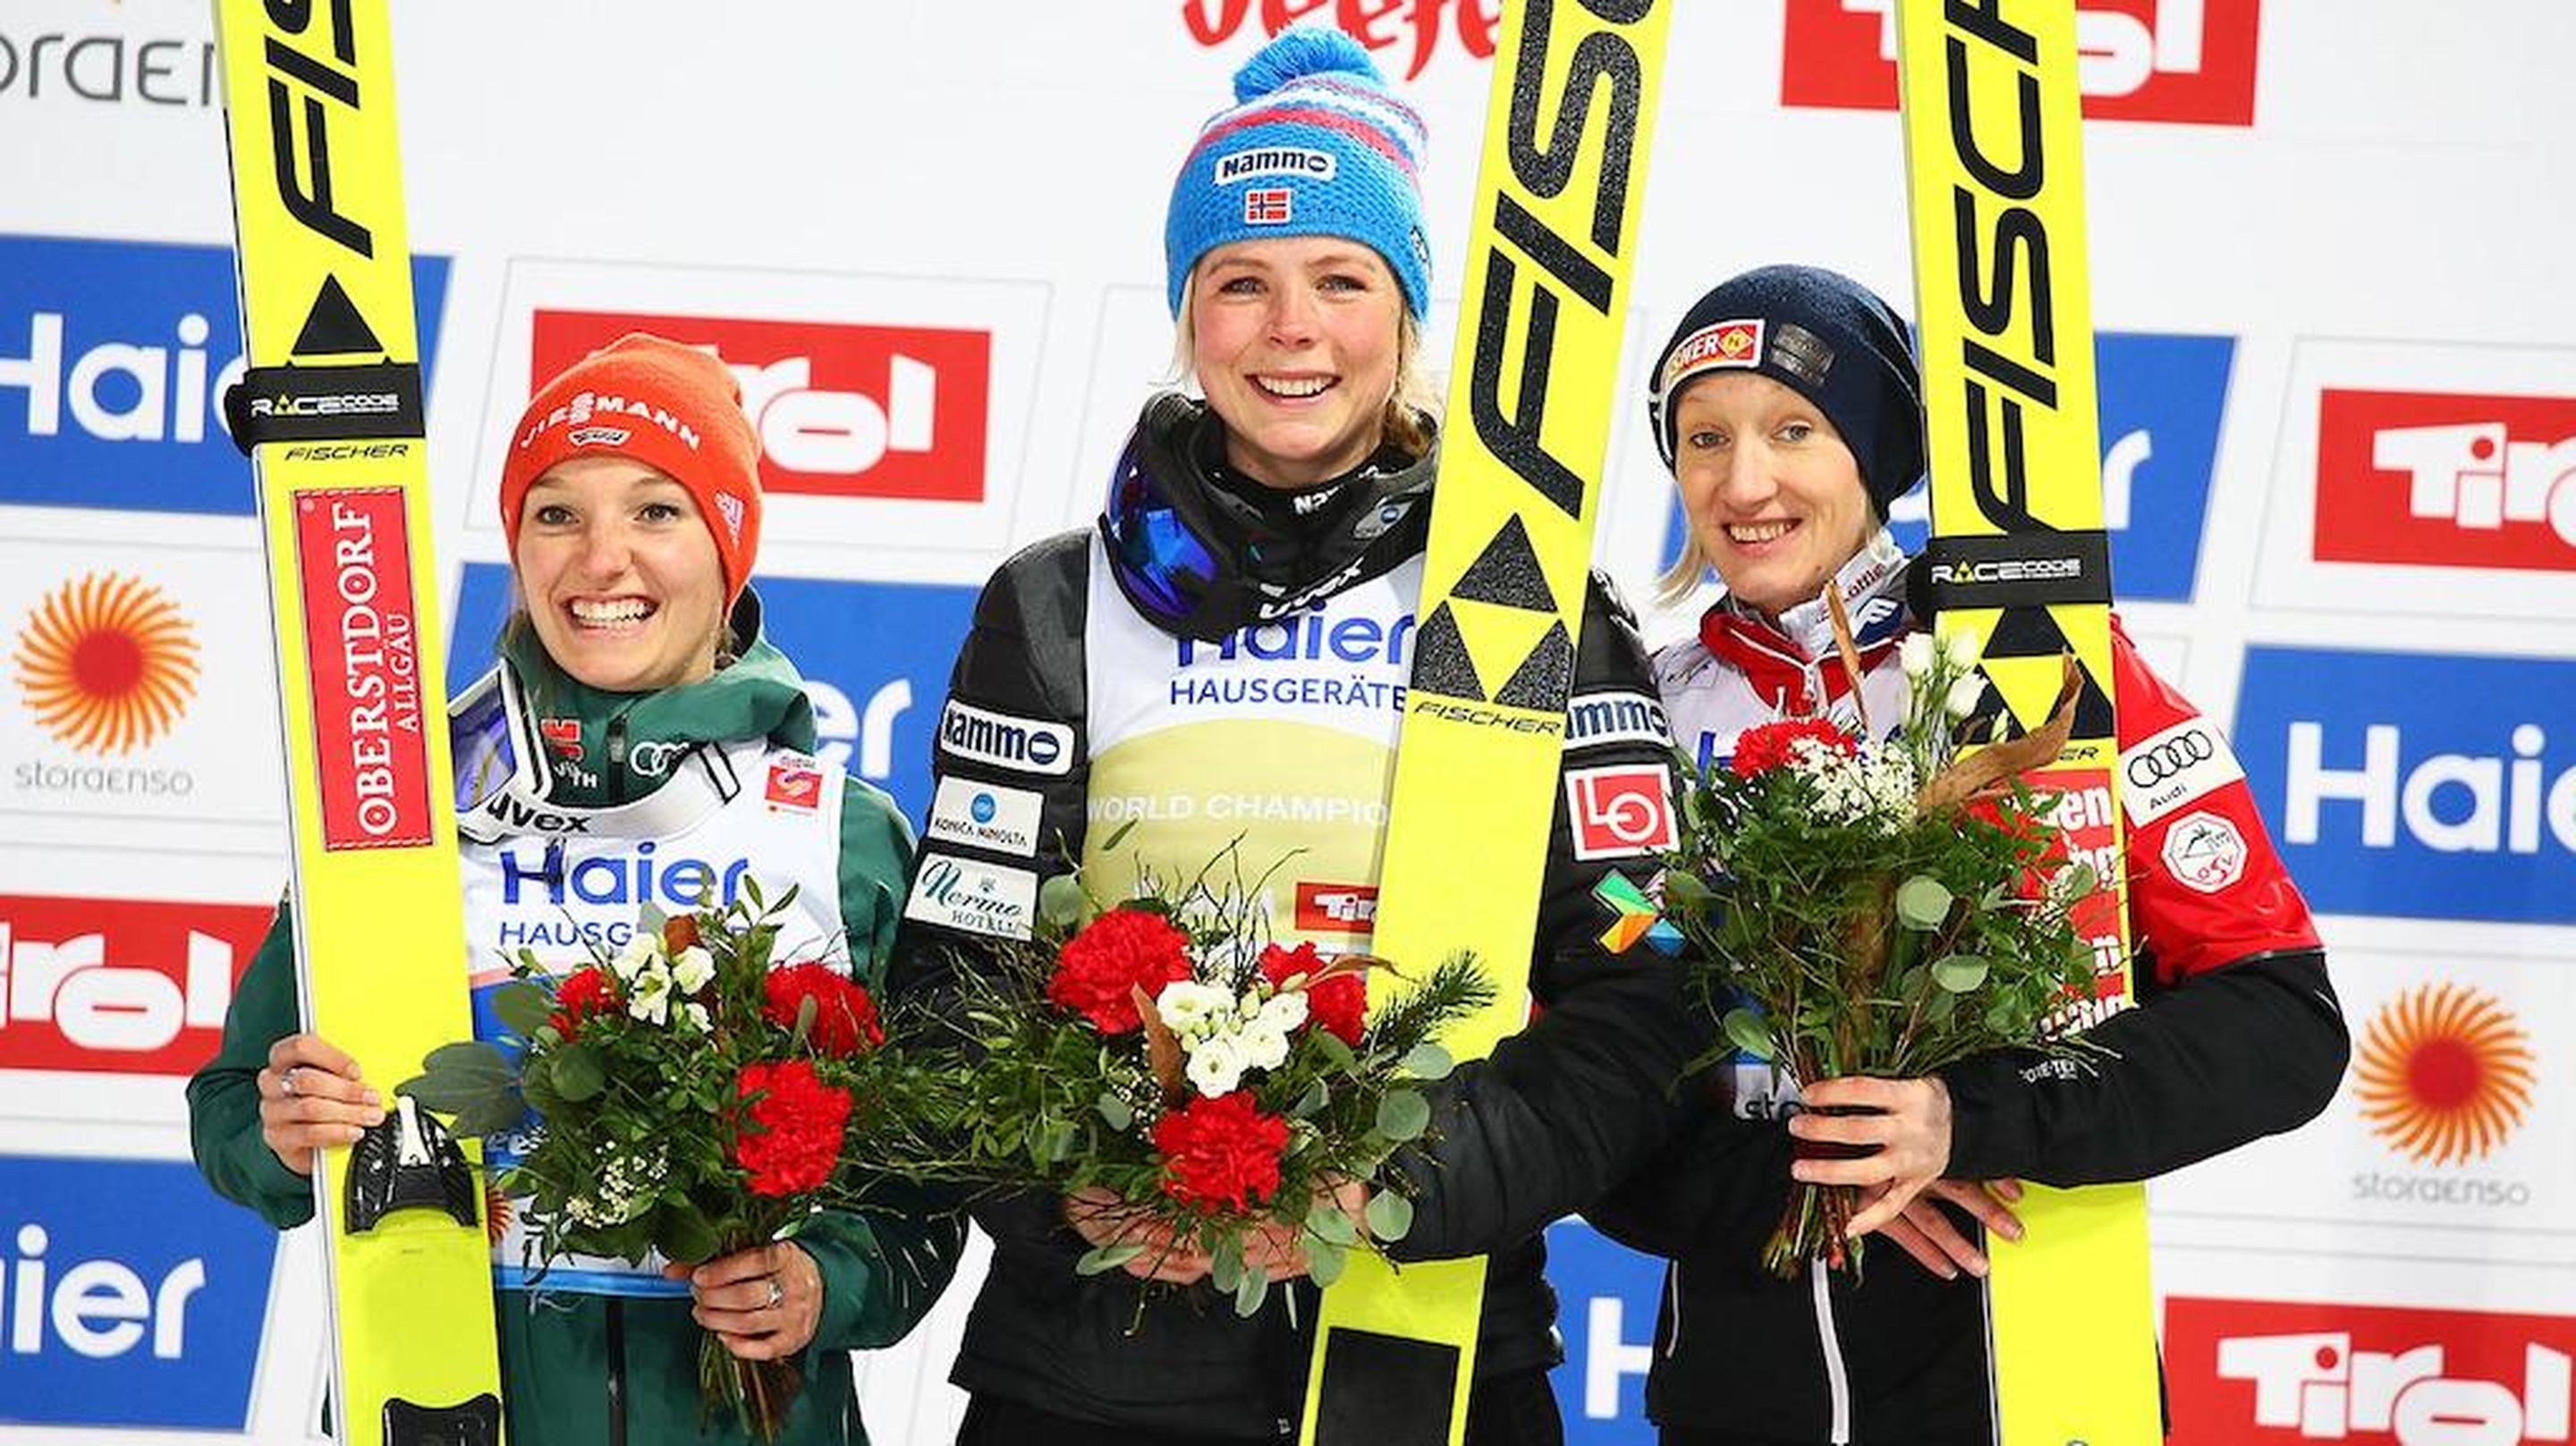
{"points": [[1012, 725], [1576, 1101], [884, 1264], [223, 1095], [2236, 1033], [1714, 1190]]}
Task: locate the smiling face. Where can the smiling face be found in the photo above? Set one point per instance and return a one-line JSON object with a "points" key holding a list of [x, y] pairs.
{"points": [[620, 574], [1774, 497], [1295, 342]]}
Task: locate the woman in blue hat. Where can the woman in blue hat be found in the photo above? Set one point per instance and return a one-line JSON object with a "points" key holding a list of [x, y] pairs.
{"points": [[1225, 658]]}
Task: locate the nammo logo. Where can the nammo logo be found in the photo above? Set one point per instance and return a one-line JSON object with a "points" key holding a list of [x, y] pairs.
{"points": [[106, 663], [2446, 480], [2443, 1074], [2151, 60], [1414, 28], [841, 410]]}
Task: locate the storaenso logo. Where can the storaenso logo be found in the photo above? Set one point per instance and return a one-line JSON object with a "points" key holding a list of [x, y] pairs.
{"points": [[1024, 744]]}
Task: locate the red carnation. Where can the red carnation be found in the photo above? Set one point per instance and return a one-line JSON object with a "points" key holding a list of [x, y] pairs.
{"points": [[1121, 951], [1338, 1004], [1759, 750], [585, 993], [799, 1120], [1221, 1152], [845, 1018]]}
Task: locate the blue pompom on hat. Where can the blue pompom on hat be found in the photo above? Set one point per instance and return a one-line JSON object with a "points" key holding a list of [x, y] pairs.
{"points": [[1823, 335], [1315, 146]]}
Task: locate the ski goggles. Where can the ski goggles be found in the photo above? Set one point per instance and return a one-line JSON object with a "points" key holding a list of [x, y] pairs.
{"points": [[1161, 562], [492, 743]]}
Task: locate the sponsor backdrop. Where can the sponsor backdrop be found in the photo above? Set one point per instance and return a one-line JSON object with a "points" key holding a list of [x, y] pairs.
{"points": [[2340, 461]]}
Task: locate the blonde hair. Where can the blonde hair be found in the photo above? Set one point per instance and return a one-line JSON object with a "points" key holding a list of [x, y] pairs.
{"points": [[1688, 569], [1412, 404]]}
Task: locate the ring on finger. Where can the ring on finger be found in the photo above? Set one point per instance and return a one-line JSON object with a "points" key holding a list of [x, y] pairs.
{"points": [[777, 1294], [286, 1082]]}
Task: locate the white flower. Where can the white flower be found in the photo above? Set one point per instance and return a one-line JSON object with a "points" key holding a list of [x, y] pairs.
{"points": [[1216, 1065], [1964, 693], [693, 969], [1915, 654], [1960, 646], [650, 1000], [631, 960], [1192, 1008], [1281, 1013], [1263, 1048], [695, 1016]]}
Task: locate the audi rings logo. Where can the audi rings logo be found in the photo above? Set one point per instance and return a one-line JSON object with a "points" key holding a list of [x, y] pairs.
{"points": [[654, 758], [2168, 757]]}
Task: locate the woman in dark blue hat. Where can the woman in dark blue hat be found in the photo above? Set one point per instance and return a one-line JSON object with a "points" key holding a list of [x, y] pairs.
{"points": [[1788, 405]]}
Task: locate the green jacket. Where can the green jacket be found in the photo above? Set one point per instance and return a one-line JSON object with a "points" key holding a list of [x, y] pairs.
{"points": [[561, 1383]]}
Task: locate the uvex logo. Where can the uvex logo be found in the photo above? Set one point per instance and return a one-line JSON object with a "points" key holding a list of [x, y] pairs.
{"points": [[1412, 27], [2148, 60], [118, 985], [2255, 1372], [2446, 480], [841, 410]]}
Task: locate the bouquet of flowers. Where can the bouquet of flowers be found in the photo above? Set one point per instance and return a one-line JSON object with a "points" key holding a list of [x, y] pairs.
{"points": [[1165, 1052], [1881, 908], [680, 1096]]}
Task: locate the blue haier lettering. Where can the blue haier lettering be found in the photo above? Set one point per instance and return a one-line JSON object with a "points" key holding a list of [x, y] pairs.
{"points": [[1607, 1296], [639, 876]]}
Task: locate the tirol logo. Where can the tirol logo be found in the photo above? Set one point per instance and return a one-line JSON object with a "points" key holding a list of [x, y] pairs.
{"points": [[2443, 1074], [1415, 29], [124, 1288], [2420, 786], [362, 652], [2446, 481], [1336, 908], [114, 356], [2259, 1371], [875, 658], [106, 664], [2189, 61], [841, 410], [119, 985]]}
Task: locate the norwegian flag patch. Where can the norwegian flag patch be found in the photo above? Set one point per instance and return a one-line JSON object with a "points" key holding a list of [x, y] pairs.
{"points": [[1270, 207]]}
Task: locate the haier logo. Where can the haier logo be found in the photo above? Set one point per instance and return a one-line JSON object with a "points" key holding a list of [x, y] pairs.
{"points": [[1610, 1295], [2150, 60], [131, 1296], [113, 360], [119, 985], [875, 658], [2162, 401], [2429, 787], [2259, 1372], [2446, 480], [533, 874], [841, 410]]}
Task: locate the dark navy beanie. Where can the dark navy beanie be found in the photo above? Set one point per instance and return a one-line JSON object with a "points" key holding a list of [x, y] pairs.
{"points": [[1822, 335]]}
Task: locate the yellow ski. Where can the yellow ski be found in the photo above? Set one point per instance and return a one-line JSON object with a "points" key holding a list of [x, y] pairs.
{"points": [[1994, 159], [1530, 402], [330, 410]]}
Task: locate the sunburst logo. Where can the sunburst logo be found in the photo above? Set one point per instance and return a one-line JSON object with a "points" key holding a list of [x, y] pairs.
{"points": [[2445, 1074], [107, 663]]}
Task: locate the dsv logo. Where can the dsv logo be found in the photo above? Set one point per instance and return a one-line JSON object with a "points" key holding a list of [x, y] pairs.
{"points": [[2168, 758]]}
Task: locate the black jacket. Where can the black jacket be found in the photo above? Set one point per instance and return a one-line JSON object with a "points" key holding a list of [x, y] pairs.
{"points": [[1550, 1120]]}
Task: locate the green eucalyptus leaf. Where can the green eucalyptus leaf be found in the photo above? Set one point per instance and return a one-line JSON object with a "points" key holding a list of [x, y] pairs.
{"points": [[1922, 903], [1312, 1102], [1225, 1264], [1100, 1260], [1687, 893], [1959, 973], [1403, 1115], [2077, 881], [1062, 903], [522, 1006], [1335, 1051], [649, 920], [1327, 1223], [1325, 1262], [1427, 1061], [1390, 1216], [1746, 1031], [1250, 1292], [1114, 1112], [578, 1074]]}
